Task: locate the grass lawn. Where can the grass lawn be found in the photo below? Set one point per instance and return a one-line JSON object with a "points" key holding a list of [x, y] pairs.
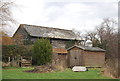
{"points": [[17, 73]]}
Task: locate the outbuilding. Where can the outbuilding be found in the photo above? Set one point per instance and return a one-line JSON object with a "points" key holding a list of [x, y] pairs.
{"points": [[86, 56]]}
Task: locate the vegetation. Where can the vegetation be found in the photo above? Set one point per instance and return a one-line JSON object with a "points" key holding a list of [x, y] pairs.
{"points": [[105, 36], [42, 51], [6, 40], [108, 37], [14, 50], [17, 39], [67, 74], [102, 34], [5, 12]]}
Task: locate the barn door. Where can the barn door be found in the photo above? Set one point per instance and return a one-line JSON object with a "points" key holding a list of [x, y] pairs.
{"points": [[75, 58]]}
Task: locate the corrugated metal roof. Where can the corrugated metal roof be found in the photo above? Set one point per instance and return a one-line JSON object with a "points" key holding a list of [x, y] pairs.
{"points": [[87, 48], [40, 31], [59, 50]]}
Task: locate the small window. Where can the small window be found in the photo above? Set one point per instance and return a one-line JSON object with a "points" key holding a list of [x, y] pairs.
{"points": [[61, 53]]}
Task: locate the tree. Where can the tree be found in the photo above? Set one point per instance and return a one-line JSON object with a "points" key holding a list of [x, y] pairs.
{"points": [[102, 34], [91, 36], [106, 30], [14, 51], [42, 51], [7, 40], [18, 39], [78, 37], [5, 13], [109, 41]]}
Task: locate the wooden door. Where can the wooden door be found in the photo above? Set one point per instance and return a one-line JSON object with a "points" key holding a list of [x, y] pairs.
{"points": [[75, 58]]}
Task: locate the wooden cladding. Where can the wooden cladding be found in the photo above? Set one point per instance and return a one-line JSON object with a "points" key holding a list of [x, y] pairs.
{"points": [[79, 57]]}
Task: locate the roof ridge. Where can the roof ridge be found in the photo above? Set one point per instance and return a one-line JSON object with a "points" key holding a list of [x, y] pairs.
{"points": [[87, 48], [46, 27]]}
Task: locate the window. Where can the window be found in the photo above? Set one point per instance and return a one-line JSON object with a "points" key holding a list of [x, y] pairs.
{"points": [[61, 53]]}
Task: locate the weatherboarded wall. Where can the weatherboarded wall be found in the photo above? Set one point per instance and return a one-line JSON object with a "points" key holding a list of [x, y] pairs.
{"points": [[96, 59], [77, 56], [20, 35]]}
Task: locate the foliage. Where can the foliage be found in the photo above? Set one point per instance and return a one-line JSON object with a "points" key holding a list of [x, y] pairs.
{"points": [[7, 40], [106, 37], [100, 36], [5, 12], [42, 51], [14, 50], [18, 39], [96, 43], [106, 30]]}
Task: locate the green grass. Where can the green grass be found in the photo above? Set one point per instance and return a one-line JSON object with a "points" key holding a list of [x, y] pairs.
{"points": [[17, 73]]}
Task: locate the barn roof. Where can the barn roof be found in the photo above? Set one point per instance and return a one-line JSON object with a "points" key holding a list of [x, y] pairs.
{"points": [[41, 31], [87, 48], [59, 50]]}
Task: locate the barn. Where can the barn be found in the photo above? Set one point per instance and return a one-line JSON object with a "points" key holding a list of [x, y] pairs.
{"points": [[59, 38], [85, 56]]}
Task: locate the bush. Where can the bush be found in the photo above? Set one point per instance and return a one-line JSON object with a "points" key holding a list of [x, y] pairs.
{"points": [[42, 51], [14, 50]]}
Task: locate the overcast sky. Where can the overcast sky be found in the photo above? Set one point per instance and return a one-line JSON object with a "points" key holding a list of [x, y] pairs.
{"points": [[82, 15]]}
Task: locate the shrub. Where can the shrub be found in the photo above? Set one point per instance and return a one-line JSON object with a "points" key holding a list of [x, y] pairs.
{"points": [[14, 50], [42, 51]]}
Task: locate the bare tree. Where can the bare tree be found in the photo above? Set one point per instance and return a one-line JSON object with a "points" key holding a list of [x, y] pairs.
{"points": [[91, 36], [105, 30], [78, 37], [109, 41], [5, 13], [78, 33], [85, 38]]}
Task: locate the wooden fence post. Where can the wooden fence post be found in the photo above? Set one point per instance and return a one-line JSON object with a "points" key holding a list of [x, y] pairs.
{"points": [[21, 61], [31, 60], [8, 59]]}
